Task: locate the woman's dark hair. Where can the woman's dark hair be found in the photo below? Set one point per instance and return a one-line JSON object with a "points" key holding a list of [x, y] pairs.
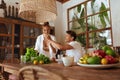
{"points": [[72, 34], [46, 24]]}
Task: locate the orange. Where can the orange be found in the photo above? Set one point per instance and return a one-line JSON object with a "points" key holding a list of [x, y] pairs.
{"points": [[35, 62], [104, 61]]}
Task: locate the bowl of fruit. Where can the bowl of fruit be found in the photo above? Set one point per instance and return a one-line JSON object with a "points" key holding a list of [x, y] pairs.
{"points": [[101, 58]]}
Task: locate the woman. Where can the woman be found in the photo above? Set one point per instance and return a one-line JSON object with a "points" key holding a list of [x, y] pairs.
{"points": [[72, 47], [42, 46]]}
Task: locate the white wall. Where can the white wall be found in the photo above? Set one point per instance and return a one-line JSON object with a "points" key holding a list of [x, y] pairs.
{"points": [[115, 13], [58, 23]]}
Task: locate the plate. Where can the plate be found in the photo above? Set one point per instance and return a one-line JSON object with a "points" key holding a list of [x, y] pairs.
{"points": [[99, 65]]}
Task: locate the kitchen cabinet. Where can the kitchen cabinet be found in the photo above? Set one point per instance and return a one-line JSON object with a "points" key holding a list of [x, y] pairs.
{"points": [[16, 35]]}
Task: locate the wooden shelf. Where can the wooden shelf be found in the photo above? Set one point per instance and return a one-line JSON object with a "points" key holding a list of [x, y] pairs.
{"points": [[19, 37]]}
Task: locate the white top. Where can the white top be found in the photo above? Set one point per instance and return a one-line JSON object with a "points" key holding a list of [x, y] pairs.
{"points": [[76, 52], [39, 46]]}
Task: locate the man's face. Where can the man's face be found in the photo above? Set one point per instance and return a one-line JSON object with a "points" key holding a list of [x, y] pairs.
{"points": [[68, 38], [46, 30]]}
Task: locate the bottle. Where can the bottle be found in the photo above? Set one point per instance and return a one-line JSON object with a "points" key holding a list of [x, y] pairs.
{"points": [[59, 54]]}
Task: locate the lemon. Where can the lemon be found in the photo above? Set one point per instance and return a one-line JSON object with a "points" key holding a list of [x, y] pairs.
{"points": [[84, 61], [104, 61], [41, 62], [35, 62]]}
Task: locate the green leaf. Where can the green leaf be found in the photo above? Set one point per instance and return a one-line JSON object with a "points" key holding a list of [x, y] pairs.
{"points": [[102, 19], [82, 13], [79, 8], [102, 8], [81, 39], [105, 14], [81, 20], [92, 27], [92, 4], [74, 28]]}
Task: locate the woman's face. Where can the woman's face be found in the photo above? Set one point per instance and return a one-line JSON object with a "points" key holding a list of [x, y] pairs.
{"points": [[46, 30], [68, 38]]}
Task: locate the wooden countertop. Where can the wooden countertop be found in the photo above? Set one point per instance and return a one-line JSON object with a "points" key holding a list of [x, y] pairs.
{"points": [[72, 73]]}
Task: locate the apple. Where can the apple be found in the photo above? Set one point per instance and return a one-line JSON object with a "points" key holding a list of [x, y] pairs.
{"points": [[110, 52], [110, 59], [99, 53], [106, 47]]}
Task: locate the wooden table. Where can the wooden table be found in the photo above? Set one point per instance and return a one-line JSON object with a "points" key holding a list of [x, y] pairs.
{"points": [[72, 73]]}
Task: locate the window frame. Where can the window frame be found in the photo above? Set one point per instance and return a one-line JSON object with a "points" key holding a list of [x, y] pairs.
{"points": [[86, 25]]}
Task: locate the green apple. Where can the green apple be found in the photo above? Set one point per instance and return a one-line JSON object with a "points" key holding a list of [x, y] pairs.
{"points": [[106, 47], [94, 60], [110, 52]]}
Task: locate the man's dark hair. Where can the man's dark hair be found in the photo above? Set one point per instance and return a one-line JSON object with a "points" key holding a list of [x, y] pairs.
{"points": [[72, 34]]}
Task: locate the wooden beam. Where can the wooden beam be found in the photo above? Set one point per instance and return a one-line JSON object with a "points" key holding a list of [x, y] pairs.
{"points": [[62, 1]]}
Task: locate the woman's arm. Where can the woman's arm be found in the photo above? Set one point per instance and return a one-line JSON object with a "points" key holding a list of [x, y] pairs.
{"points": [[59, 46]]}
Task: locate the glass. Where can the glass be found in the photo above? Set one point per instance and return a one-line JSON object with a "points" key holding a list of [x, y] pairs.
{"points": [[5, 41], [68, 61], [76, 13], [29, 42], [95, 5], [32, 31], [98, 22], [38, 31], [98, 39], [78, 26], [22, 59], [5, 28], [89, 20]]}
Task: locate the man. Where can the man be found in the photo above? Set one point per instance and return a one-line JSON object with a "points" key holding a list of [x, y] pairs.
{"points": [[42, 45], [72, 47]]}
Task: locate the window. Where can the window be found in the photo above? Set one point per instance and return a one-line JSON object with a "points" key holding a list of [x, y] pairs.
{"points": [[92, 22]]}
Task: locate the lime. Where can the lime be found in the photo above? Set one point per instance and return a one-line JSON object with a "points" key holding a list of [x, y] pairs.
{"points": [[93, 60]]}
